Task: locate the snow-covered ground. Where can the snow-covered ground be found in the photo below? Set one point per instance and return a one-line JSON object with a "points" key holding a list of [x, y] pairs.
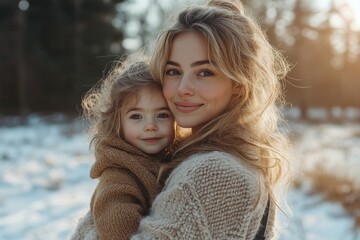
{"points": [[45, 187]]}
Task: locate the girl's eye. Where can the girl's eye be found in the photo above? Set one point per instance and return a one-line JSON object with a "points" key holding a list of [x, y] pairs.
{"points": [[163, 115], [206, 73], [135, 116], [172, 72]]}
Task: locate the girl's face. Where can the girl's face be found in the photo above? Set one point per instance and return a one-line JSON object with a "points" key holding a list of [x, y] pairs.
{"points": [[195, 91], [147, 121]]}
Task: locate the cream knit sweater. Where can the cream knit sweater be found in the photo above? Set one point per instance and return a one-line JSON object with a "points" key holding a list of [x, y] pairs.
{"points": [[210, 195]]}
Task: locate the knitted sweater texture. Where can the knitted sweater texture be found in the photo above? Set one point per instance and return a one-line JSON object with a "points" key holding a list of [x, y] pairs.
{"points": [[209, 196], [127, 185]]}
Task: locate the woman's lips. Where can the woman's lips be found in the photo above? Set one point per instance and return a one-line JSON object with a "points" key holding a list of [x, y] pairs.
{"points": [[186, 107]]}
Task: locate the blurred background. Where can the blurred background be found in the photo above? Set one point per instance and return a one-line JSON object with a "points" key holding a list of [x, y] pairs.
{"points": [[53, 51]]}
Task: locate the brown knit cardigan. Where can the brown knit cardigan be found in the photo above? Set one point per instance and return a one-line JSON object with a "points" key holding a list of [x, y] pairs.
{"points": [[127, 185]]}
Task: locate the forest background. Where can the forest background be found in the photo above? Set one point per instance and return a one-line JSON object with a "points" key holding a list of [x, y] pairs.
{"points": [[52, 52]]}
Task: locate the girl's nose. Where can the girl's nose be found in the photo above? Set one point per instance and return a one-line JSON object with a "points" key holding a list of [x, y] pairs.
{"points": [[151, 126]]}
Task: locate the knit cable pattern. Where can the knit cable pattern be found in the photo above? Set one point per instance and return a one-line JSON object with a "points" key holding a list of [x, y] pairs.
{"points": [[209, 196]]}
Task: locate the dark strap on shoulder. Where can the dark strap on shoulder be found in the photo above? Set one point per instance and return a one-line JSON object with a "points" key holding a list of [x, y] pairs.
{"points": [[261, 233]]}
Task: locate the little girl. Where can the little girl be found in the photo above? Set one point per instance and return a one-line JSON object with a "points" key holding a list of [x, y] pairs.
{"points": [[132, 129]]}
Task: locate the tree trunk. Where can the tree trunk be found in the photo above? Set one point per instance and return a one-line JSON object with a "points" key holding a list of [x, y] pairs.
{"points": [[21, 65], [77, 43]]}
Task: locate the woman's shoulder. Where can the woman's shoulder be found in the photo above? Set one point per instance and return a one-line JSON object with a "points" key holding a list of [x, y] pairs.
{"points": [[222, 176], [214, 165], [215, 160]]}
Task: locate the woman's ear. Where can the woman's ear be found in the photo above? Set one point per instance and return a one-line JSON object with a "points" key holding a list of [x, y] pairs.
{"points": [[237, 89]]}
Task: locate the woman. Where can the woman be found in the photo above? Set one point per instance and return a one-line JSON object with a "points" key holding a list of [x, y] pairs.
{"points": [[220, 78]]}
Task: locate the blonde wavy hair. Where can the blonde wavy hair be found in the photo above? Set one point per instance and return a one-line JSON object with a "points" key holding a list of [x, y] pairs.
{"points": [[103, 103], [238, 47]]}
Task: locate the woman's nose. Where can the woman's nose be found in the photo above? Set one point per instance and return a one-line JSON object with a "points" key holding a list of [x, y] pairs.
{"points": [[185, 86]]}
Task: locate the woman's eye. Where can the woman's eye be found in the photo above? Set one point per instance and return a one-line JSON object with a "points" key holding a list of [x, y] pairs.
{"points": [[172, 72], [163, 115], [135, 116], [206, 74]]}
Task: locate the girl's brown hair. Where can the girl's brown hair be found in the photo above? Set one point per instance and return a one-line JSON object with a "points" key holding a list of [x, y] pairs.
{"points": [[103, 103]]}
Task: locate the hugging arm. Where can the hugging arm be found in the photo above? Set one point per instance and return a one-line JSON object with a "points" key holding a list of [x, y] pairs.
{"points": [[177, 214], [214, 201]]}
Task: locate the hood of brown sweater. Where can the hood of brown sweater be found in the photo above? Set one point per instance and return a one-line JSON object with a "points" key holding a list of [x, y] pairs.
{"points": [[116, 153]]}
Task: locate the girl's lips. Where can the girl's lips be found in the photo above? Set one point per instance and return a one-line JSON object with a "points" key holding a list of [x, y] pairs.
{"points": [[151, 140], [186, 107]]}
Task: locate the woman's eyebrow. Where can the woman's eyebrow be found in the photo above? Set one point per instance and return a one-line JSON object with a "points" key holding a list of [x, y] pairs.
{"points": [[201, 62], [172, 63], [194, 64]]}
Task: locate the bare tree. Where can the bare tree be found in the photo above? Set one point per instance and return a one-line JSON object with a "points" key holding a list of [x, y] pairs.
{"points": [[21, 64]]}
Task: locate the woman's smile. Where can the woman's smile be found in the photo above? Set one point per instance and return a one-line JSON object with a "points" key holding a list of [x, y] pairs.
{"points": [[187, 107]]}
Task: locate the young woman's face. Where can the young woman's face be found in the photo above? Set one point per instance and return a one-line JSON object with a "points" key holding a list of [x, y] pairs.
{"points": [[147, 121], [195, 91]]}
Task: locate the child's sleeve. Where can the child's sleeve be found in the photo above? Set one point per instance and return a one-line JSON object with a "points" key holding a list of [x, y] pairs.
{"points": [[117, 204]]}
